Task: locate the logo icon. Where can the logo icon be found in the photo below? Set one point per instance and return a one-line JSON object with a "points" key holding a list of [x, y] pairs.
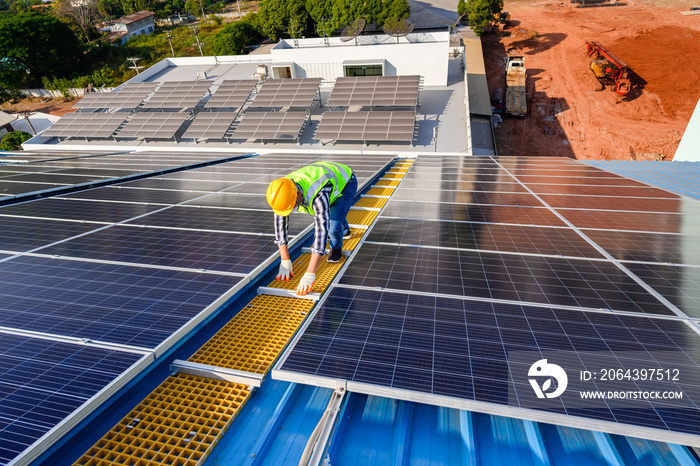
{"points": [[542, 368]]}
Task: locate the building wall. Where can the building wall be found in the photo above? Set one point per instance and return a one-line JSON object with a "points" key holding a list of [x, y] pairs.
{"points": [[315, 60]]}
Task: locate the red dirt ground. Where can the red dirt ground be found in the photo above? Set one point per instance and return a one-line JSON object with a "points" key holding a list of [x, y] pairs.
{"points": [[567, 117]]}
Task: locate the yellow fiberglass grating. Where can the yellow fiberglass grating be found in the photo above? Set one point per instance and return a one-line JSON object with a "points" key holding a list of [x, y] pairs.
{"points": [[393, 175], [256, 336], [380, 192], [178, 423], [361, 217], [351, 243], [387, 183], [373, 202], [398, 171], [324, 273], [401, 166]]}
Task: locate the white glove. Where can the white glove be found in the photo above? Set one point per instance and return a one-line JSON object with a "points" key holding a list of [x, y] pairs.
{"points": [[285, 271], [306, 283]]}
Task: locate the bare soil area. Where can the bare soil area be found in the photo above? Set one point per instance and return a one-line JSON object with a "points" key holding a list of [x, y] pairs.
{"points": [[566, 115], [58, 107]]}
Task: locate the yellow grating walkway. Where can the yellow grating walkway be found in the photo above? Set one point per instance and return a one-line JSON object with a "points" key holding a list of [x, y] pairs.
{"points": [[178, 423], [362, 217], [393, 175], [388, 183], [256, 336], [324, 274], [381, 191], [351, 244], [375, 202], [183, 419]]}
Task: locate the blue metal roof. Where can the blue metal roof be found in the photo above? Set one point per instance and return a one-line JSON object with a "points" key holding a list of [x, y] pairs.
{"points": [[677, 177], [372, 431]]}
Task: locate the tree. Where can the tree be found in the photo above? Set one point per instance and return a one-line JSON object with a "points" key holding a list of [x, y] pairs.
{"points": [[109, 9], [393, 9], [276, 16], [13, 139], [461, 7], [345, 11], [234, 38], [80, 12], [482, 12], [38, 45]]}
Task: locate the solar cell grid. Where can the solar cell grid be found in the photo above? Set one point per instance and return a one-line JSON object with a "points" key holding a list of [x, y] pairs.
{"points": [[212, 125], [490, 237], [178, 94], [44, 382], [270, 125], [648, 247], [21, 234], [68, 209], [559, 281], [287, 92], [153, 125], [375, 91], [221, 252], [111, 303], [135, 195], [127, 96], [464, 350], [88, 125], [636, 221]]}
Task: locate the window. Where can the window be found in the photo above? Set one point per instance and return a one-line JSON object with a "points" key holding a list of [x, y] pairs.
{"points": [[363, 70]]}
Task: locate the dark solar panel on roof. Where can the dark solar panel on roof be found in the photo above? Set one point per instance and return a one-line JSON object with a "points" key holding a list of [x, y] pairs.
{"points": [[157, 125], [178, 94], [127, 96]]}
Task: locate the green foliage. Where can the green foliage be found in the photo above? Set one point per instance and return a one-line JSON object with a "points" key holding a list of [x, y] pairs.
{"points": [[109, 9], [43, 45], [482, 12], [276, 16], [13, 139], [393, 9], [217, 20], [232, 39], [132, 6], [194, 7], [461, 7]]}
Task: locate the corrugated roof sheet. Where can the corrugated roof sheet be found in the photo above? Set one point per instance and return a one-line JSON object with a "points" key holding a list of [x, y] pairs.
{"points": [[132, 18], [676, 177]]}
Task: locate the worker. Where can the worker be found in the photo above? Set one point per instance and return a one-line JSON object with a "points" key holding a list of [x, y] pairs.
{"points": [[326, 191]]}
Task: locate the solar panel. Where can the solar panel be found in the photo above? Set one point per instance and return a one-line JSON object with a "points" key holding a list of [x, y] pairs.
{"points": [[376, 126], [86, 125], [22, 234], [270, 126], [210, 125], [197, 250], [105, 302], [452, 303], [178, 94], [465, 353], [69, 209], [127, 96], [290, 92], [390, 91], [45, 381], [232, 93], [156, 125]]}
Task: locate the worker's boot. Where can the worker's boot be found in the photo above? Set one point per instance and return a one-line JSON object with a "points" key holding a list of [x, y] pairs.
{"points": [[335, 256]]}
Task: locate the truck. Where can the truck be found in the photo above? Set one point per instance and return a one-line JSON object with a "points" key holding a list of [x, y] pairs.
{"points": [[516, 78]]}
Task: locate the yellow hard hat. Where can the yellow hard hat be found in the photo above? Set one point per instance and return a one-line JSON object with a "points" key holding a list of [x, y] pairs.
{"points": [[282, 196]]}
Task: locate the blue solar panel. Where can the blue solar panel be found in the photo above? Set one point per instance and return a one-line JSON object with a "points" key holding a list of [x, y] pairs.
{"points": [[42, 382], [119, 304], [222, 252], [21, 234], [71, 209], [136, 195]]}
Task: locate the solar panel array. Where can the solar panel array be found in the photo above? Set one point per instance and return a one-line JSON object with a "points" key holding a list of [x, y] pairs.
{"points": [[290, 92], [231, 93], [178, 94], [384, 91], [127, 96], [270, 126], [375, 126], [131, 266], [210, 125], [469, 279], [86, 125], [156, 125]]}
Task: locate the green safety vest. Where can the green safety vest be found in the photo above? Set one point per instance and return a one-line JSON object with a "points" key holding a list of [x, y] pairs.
{"points": [[314, 177]]}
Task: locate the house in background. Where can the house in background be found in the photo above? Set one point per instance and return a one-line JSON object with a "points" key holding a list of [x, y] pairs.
{"points": [[6, 120], [126, 27]]}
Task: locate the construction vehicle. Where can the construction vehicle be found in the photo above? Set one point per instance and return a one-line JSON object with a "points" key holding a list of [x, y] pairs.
{"points": [[609, 69], [516, 77]]}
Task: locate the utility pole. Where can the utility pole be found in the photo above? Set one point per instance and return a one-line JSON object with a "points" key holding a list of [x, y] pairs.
{"points": [[135, 66], [170, 39], [238, 4], [204, 18], [197, 42]]}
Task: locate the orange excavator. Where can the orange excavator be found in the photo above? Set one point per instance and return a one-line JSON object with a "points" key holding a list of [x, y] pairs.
{"points": [[608, 68]]}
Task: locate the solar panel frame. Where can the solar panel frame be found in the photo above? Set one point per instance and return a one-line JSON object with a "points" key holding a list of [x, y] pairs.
{"points": [[375, 91], [288, 92], [178, 94], [271, 126], [210, 125], [87, 125], [366, 126], [155, 125]]}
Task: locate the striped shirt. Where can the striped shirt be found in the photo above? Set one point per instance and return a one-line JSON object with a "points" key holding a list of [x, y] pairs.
{"points": [[321, 205]]}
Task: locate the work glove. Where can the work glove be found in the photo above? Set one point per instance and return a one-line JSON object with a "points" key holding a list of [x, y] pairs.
{"points": [[306, 283], [285, 271]]}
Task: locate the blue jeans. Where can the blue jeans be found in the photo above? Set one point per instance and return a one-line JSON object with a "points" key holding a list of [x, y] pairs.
{"points": [[337, 221]]}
